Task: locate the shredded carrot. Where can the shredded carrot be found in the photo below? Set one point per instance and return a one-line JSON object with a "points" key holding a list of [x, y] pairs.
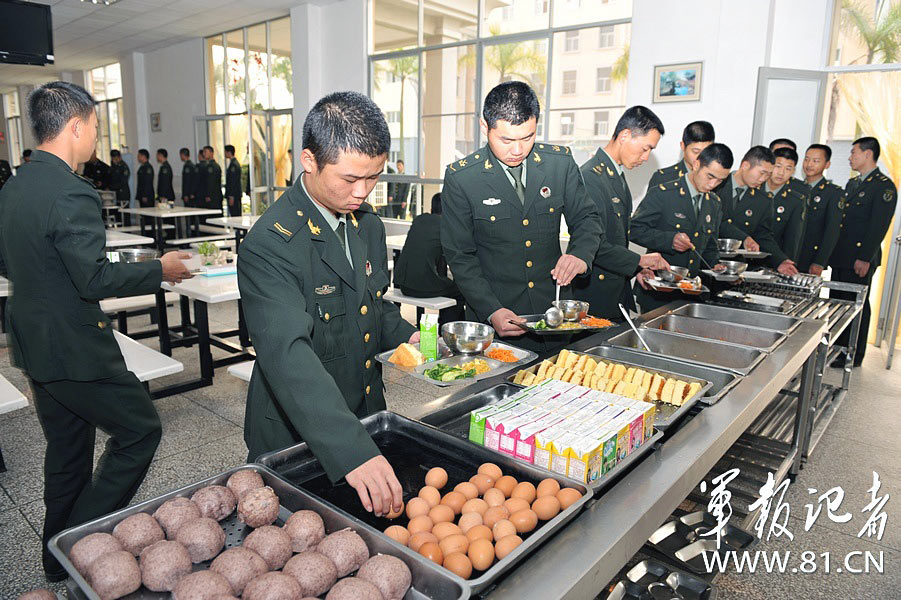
{"points": [[590, 321], [502, 355]]}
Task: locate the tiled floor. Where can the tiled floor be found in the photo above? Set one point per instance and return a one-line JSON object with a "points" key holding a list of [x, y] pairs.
{"points": [[202, 435]]}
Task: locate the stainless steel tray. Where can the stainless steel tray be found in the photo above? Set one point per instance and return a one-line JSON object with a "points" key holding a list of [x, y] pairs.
{"points": [[429, 580], [744, 253], [739, 359], [720, 331], [532, 319], [412, 448], [495, 367], [524, 356], [667, 414], [721, 381], [663, 286], [738, 316], [454, 420]]}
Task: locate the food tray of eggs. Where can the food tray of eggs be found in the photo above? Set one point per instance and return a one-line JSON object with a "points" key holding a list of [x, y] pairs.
{"points": [[249, 533], [472, 510]]}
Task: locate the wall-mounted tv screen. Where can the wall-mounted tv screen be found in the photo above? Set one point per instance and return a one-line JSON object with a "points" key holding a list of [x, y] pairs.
{"points": [[26, 33]]}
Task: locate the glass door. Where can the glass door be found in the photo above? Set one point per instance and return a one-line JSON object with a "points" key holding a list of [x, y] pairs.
{"points": [[272, 171]]}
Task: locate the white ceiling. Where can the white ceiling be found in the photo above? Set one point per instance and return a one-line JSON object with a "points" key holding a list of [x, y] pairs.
{"points": [[87, 35]]}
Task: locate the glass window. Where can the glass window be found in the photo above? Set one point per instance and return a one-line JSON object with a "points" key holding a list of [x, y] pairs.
{"points": [[571, 41], [394, 25], [258, 67], [541, 7], [105, 84], [215, 75], [573, 12], [602, 84], [13, 127], [446, 21], [516, 61], [514, 16], [865, 33], [581, 131], [113, 76], [606, 36], [601, 123], [396, 89], [448, 85], [235, 72], [567, 123], [97, 83], [569, 82], [282, 70]]}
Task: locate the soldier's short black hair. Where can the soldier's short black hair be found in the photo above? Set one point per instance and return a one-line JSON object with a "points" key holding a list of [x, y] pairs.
{"points": [[26, 153], [345, 122], [115, 154], [868, 143], [229, 148], [400, 161], [184, 152], [164, 152], [54, 104], [786, 153], [784, 141], [209, 149], [640, 120], [143, 152], [718, 153], [757, 155], [511, 101], [826, 150], [698, 131], [436, 204]]}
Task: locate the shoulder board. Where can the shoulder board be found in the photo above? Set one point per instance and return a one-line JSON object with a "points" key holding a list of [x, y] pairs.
{"points": [[552, 149], [283, 231], [289, 223], [476, 158], [713, 196], [83, 179]]}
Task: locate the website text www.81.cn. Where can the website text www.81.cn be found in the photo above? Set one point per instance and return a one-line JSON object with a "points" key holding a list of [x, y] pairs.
{"points": [[788, 562]]}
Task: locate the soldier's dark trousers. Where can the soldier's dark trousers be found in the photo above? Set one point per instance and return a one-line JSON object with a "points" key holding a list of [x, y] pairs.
{"points": [[234, 210], [849, 276], [70, 412]]}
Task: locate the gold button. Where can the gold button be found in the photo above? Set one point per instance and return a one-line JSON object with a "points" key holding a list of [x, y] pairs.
{"points": [[326, 316], [529, 263], [378, 294], [730, 220], [747, 223], [601, 277], [525, 222], [696, 234], [778, 218], [691, 261], [366, 338], [551, 209], [678, 226], [368, 363], [858, 244], [102, 325], [477, 157], [368, 389], [493, 218], [531, 284], [528, 243], [816, 247], [300, 213], [364, 309]]}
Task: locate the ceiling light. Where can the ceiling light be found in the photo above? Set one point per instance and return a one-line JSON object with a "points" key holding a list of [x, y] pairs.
{"points": [[103, 2]]}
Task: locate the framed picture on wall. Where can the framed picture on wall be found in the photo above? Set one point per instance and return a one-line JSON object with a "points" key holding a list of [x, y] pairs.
{"points": [[678, 83], [155, 124]]}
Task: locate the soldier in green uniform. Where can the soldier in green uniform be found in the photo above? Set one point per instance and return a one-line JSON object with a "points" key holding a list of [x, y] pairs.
{"points": [[144, 187], [871, 198], [678, 216], [120, 174], [789, 204], [635, 136], [797, 184], [188, 178], [52, 245], [312, 272], [232, 182], [200, 180], [212, 185], [97, 172], [501, 227], [696, 136], [825, 209], [164, 190], [5, 172]]}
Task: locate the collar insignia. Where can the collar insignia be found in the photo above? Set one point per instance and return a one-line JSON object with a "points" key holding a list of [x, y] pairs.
{"points": [[488, 164], [610, 172], [353, 220], [313, 228], [537, 157]]}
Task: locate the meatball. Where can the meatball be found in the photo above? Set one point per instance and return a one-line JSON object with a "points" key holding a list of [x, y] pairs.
{"points": [[272, 543], [258, 507], [306, 530], [163, 564], [115, 574], [202, 585], [352, 588], [346, 549], [388, 573], [138, 532], [90, 548], [203, 537], [272, 586], [174, 513], [215, 501], [244, 481], [315, 572], [43, 594], [239, 565]]}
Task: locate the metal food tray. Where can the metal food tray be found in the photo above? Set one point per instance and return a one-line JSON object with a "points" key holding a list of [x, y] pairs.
{"points": [[720, 276], [429, 580], [454, 420], [739, 359], [662, 286], [654, 579], [719, 331], [738, 316], [523, 356], [688, 538], [666, 414], [413, 448], [555, 330], [745, 254], [495, 367]]}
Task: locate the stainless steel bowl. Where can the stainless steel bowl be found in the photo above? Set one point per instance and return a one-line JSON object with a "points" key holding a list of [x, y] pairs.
{"points": [[728, 245], [467, 337], [572, 310], [133, 255], [672, 275], [734, 267]]}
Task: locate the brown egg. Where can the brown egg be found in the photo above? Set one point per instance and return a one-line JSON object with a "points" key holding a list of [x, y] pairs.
{"points": [[546, 507], [458, 564], [494, 497], [441, 514], [547, 487], [454, 543], [455, 500], [482, 482], [430, 495], [475, 505], [418, 539], [436, 477], [467, 489], [491, 470], [517, 504], [524, 520], [420, 523], [417, 507], [479, 532], [502, 529], [506, 545], [495, 514], [524, 490], [506, 485], [392, 514], [398, 534], [481, 553], [567, 496], [470, 520], [443, 529], [432, 551]]}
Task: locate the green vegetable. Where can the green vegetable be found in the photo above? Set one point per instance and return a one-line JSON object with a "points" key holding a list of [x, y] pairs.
{"points": [[541, 324], [448, 373]]}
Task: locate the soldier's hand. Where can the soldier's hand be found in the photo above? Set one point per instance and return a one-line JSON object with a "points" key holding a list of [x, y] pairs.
{"points": [[500, 320], [787, 267], [816, 270], [861, 268], [568, 266], [653, 261], [377, 486], [642, 278], [751, 245], [174, 271], [414, 339], [681, 242]]}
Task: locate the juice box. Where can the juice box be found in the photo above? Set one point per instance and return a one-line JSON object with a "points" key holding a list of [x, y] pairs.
{"points": [[428, 336], [649, 411], [585, 459], [544, 444], [623, 437], [493, 421], [478, 416], [511, 434], [525, 445], [560, 453], [608, 437], [636, 427]]}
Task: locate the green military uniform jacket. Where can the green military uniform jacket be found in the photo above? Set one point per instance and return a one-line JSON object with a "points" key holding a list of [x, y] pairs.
{"points": [[5, 172], [825, 208], [233, 179], [614, 264], [164, 190], [118, 180], [751, 216], [500, 251], [52, 242], [189, 183], [317, 324], [212, 184], [144, 186], [97, 172], [667, 174], [789, 218], [870, 206], [421, 267]]}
